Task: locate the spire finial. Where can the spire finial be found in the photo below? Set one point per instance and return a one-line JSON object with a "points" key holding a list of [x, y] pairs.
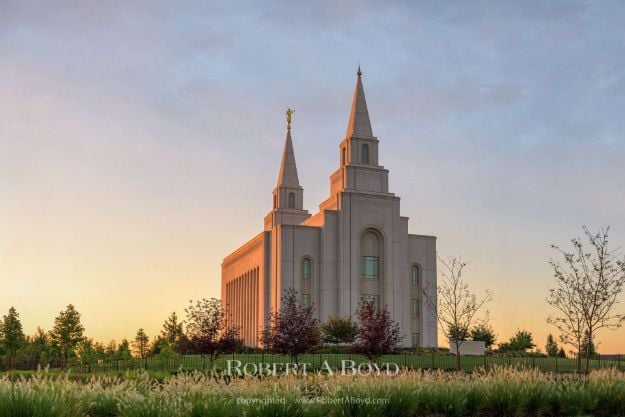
{"points": [[359, 73], [289, 112]]}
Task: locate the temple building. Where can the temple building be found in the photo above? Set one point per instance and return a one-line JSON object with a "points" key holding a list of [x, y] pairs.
{"points": [[355, 248]]}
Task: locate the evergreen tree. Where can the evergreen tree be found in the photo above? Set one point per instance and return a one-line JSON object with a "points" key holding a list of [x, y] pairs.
{"points": [[67, 332], [172, 330], [110, 351], [551, 347], [11, 334], [561, 353], [141, 344], [123, 350]]}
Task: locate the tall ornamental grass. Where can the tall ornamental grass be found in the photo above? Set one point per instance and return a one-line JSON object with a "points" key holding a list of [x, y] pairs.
{"points": [[500, 392]]}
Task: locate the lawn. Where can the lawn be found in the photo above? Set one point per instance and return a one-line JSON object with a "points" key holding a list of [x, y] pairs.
{"points": [[316, 361]]}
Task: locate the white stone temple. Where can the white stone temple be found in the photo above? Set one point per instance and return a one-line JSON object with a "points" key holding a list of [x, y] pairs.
{"points": [[356, 247]]}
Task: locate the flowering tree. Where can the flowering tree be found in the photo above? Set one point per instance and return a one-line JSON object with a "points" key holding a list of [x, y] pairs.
{"points": [[378, 334], [294, 330]]}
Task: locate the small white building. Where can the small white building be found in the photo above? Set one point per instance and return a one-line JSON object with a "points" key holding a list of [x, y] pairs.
{"points": [[356, 247], [469, 347]]}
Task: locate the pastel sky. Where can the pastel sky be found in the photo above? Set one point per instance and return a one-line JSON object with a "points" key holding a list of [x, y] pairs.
{"points": [[140, 141]]}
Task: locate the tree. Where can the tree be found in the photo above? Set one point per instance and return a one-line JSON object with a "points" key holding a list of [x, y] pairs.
{"points": [[110, 351], [551, 347], [338, 330], [520, 342], [86, 352], [39, 346], [67, 332], [484, 333], [11, 335], [123, 350], [588, 346], [158, 344], [141, 344], [172, 330], [208, 329], [561, 353], [588, 285], [293, 328], [455, 306], [378, 334]]}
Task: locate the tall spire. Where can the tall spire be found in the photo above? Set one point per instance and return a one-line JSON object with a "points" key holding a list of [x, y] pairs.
{"points": [[359, 124], [288, 170]]}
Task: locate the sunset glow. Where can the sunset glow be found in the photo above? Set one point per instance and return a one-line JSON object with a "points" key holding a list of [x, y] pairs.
{"points": [[139, 144]]}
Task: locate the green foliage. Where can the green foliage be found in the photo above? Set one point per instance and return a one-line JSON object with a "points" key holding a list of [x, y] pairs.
{"points": [[172, 330], [11, 333], [123, 350], [520, 342], [588, 348], [141, 344], [484, 333], [339, 330], [551, 347], [209, 332], [67, 332]]}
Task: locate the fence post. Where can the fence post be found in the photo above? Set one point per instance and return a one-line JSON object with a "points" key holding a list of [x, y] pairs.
{"points": [[556, 364]]}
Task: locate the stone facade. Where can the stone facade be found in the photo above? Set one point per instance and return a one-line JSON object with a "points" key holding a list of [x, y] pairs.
{"points": [[357, 247]]}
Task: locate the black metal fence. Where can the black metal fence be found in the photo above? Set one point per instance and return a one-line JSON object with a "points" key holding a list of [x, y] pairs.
{"points": [[249, 362]]}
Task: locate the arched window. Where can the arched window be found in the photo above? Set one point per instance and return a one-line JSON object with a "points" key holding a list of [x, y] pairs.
{"points": [[365, 154], [370, 251], [415, 275], [344, 157], [306, 268], [291, 200]]}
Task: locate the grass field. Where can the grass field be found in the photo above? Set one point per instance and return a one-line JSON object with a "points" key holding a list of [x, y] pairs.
{"points": [[316, 361], [501, 392]]}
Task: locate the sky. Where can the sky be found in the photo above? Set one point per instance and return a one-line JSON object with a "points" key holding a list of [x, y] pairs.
{"points": [[140, 141]]}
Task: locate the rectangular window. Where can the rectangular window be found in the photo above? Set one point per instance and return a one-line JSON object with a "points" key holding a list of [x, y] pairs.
{"points": [[370, 267], [371, 298], [415, 340], [305, 300], [415, 308]]}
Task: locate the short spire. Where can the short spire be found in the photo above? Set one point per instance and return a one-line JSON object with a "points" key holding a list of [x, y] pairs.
{"points": [[288, 169], [359, 123]]}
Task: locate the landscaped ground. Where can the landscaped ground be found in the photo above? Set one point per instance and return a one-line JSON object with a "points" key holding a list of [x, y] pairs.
{"points": [[501, 392]]}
